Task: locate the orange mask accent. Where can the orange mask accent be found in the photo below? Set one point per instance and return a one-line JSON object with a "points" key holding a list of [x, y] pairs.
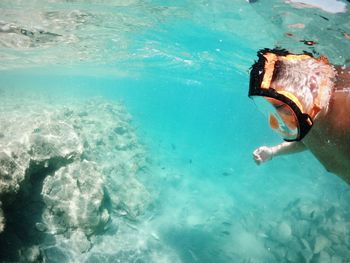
{"points": [[271, 60]]}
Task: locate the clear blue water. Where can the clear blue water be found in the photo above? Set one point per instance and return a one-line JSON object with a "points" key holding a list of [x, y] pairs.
{"points": [[181, 69]]}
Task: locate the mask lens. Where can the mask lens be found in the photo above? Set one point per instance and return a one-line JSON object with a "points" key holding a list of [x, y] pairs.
{"points": [[281, 117]]}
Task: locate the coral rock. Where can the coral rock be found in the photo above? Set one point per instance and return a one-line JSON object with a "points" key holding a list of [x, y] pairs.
{"points": [[74, 195]]}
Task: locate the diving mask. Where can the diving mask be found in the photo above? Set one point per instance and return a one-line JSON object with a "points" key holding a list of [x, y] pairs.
{"points": [[284, 110], [281, 117]]}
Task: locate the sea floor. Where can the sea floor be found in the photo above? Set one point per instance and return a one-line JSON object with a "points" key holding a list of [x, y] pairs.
{"points": [[170, 196], [223, 213]]}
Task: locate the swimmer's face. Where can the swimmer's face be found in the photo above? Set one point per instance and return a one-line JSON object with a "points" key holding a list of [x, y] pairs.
{"points": [[283, 120]]}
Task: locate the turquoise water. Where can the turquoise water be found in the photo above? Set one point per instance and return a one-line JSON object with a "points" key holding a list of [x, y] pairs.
{"points": [[181, 70]]}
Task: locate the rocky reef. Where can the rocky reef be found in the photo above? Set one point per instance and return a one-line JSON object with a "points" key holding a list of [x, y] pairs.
{"points": [[311, 232], [68, 173]]}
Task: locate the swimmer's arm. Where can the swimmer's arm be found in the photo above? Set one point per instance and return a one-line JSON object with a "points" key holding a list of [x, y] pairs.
{"points": [[265, 153]]}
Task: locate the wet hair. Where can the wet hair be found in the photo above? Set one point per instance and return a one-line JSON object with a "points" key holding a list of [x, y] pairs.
{"points": [[303, 78]]}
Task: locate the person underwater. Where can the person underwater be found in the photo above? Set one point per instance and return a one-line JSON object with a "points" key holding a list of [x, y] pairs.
{"points": [[307, 102]]}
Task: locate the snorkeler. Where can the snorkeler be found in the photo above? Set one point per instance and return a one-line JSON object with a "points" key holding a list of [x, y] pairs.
{"points": [[307, 102]]}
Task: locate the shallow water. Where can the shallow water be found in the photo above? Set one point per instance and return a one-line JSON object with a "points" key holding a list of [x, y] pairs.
{"points": [[181, 71]]}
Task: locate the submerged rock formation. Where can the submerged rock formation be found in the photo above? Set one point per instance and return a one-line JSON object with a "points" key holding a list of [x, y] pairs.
{"points": [[1, 219], [311, 232], [73, 196], [65, 173]]}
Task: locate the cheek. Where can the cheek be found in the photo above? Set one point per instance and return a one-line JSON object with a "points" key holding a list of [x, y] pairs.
{"points": [[273, 122]]}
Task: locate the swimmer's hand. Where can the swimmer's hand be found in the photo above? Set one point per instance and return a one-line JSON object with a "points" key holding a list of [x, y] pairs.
{"points": [[263, 154]]}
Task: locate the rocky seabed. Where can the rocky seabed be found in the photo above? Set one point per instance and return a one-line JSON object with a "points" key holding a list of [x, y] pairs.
{"points": [[68, 175], [70, 192]]}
